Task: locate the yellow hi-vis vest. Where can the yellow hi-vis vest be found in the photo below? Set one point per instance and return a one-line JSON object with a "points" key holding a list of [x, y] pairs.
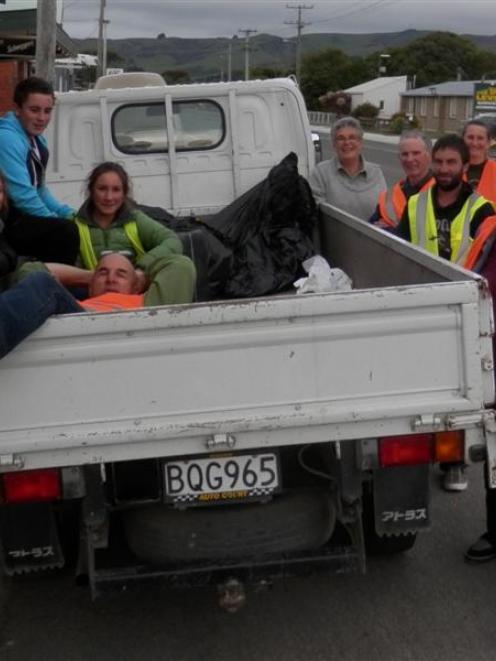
{"points": [[423, 229], [87, 252]]}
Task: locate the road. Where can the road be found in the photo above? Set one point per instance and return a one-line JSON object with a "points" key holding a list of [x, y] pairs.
{"points": [[386, 155], [425, 605]]}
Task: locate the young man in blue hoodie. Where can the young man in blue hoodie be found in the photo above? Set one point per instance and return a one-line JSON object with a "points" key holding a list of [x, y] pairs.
{"points": [[38, 224]]}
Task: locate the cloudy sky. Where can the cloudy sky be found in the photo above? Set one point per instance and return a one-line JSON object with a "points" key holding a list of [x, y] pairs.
{"points": [[210, 18]]}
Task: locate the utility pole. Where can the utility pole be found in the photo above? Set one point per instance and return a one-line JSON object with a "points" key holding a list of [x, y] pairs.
{"points": [[229, 60], [232, 40], [102, 41], [46, 39], [247, 34], [300, 24]]}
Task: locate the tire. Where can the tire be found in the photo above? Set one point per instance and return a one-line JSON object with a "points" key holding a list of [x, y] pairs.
{"points": [[387, 545], [298, 520]]}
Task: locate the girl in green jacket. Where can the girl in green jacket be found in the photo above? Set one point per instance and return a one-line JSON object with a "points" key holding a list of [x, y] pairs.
{"points": [[109, 222]]}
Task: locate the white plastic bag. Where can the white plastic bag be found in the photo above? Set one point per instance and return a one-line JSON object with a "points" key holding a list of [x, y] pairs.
{"points": [[321, 277]]}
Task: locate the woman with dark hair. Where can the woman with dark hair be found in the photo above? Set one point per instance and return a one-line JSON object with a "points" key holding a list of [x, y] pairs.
{"points": [[481, 174], [109, 222]]}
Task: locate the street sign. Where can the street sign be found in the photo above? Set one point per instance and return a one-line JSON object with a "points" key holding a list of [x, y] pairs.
{"points": [[484, 97]]}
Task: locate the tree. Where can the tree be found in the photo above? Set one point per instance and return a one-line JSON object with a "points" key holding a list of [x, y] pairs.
{"points": [[338, 103], [438, 57], [330, 71]]}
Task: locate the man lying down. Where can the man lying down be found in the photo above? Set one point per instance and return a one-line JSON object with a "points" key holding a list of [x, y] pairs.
{"points": [[28, 304]]}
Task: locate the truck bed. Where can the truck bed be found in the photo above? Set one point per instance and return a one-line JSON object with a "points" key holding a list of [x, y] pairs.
{"points": [[409, 348]]}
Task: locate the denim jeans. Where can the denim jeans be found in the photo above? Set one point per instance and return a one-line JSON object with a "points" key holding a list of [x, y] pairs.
{"points": [[27, 305]]}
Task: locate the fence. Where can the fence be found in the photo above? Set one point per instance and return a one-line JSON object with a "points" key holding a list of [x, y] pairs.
{"points": [[328, 118], [320, 118]]}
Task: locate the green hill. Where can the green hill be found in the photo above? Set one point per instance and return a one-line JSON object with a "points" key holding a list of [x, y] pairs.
{"points": [[206, 59]]}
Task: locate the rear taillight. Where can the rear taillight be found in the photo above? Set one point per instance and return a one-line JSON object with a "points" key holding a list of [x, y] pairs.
{"points": [[31, 486], [405, 450], [449, 446], [443, 446]]}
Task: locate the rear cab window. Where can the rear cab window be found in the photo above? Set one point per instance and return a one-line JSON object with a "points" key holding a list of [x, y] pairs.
{"points": [[142, 128]]}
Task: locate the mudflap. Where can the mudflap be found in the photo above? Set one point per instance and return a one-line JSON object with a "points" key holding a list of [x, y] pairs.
{"points": [[29, 538], [401, 499]]}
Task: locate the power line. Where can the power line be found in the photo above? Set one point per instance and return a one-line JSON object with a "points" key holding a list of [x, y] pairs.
{"points": [[360, 9]]}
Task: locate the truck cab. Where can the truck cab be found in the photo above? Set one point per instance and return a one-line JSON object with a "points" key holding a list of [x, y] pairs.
{"points": [[187, 148]]}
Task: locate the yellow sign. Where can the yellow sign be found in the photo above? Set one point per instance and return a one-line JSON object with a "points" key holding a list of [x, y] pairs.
{"points": [[485, 96], [225, 495]]}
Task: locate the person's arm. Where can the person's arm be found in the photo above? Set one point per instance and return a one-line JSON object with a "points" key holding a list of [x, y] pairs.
{"points": [[23, 195], [480, 216], [317, 184], [57, 208], [158, 241], [70, 276]]}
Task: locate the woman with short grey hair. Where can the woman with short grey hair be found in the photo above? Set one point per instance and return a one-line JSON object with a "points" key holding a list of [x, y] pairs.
{"points": [[346, 122], [347, 180]]}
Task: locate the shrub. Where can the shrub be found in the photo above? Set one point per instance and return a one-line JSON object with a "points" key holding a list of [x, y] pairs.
{"points": [[400, 121], [367, 110]]}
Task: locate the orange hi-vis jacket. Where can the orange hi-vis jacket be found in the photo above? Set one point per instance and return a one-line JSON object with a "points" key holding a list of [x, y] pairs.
{"points": [[487, 184], [481, 245], [392, 202], [112, 301]]}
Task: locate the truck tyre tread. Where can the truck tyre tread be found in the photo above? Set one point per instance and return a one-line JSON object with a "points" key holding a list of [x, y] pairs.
{"points": [[297, 520]]}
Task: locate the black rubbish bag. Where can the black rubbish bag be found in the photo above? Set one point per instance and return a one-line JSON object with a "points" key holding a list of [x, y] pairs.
{"points": [[269, 230], [210, 256]]}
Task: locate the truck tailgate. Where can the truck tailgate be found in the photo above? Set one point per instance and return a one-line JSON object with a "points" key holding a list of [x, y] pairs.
{"points": [[161, 382]]}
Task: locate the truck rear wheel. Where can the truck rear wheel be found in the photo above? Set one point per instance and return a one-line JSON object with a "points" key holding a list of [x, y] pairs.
{"points": [[297, 520]]}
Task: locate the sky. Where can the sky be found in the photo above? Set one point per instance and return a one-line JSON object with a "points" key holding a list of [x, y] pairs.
{"points": [[210, 18]]}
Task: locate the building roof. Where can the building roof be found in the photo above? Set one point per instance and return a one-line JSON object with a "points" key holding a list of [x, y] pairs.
{"points": [[375, 84], [81, 60], [451, 88], [18, 35]]}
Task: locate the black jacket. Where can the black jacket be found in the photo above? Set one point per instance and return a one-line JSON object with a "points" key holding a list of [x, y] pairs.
{"points": [[8, 257]]}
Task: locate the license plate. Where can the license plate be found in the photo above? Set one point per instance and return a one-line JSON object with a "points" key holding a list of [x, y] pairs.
{"points": [[208, 480]]}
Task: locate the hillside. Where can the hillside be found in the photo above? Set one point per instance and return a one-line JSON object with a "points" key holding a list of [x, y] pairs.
{"points": [[207, 59]]}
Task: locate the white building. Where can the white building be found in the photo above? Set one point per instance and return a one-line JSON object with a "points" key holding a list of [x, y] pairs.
{"points": [[66, 69], [384, 93]]}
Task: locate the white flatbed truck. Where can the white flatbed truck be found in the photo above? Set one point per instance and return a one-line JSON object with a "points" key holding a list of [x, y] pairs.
{"points": [[244, 439]]}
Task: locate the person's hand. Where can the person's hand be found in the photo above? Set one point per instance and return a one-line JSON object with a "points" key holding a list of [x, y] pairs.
{"points": [[141, 284]]}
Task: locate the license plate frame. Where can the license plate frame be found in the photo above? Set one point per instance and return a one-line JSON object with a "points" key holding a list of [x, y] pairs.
{"points": [[188, 468]]}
